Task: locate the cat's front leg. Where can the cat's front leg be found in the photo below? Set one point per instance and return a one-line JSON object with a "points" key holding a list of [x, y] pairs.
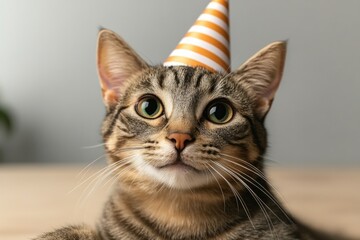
{"points": [[78, 232]]}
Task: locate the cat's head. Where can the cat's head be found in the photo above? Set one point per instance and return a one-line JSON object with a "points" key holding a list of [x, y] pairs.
{"points": [[184, 127]]}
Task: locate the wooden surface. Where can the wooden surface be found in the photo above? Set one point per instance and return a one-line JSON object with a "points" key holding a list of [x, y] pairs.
{"points": [[34, 199]]}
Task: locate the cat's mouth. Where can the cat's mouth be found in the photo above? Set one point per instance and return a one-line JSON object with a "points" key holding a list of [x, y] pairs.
{"points": [[178, 164]]}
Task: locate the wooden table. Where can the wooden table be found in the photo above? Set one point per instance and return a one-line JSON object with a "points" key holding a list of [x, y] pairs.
{"points": [[35, 198]]}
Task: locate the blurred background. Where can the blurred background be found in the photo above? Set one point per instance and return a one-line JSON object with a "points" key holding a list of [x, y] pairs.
{"points": [[49, 87]]}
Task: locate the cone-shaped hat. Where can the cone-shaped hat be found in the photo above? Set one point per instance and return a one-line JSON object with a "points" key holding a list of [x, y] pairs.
{"points": [[207, 42]]}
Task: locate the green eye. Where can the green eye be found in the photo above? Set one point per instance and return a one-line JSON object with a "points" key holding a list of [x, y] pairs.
{"points": [[219, 112], [149, 107]]}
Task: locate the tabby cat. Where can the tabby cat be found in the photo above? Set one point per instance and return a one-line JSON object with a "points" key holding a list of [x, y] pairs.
{"points": [[187, 145]]}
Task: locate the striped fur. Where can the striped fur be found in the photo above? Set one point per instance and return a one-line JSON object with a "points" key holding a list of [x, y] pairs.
{"points": [[222, 192]]}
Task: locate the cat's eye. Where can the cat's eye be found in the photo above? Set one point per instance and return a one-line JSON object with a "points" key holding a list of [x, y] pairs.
{"points": [[219, 112], [149, 107]]}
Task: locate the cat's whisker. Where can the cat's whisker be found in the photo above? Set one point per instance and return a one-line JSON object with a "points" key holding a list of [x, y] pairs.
{"points": [[262, 205], [236, 195], [222, 192], [110, 174], [231, 175], [87, 191], [94, 146], [248, 166], [128, 149], [261, 174], [115, 177], [101, 177], [190, 188], [118, 174], [104, 173], [87, 179], [258, 200], [259, 186], [113, 180], [86, 168], [254, 170], [92, 176]]}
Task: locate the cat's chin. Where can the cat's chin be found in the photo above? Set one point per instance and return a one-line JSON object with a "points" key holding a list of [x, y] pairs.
{"points": [[177, 175]]}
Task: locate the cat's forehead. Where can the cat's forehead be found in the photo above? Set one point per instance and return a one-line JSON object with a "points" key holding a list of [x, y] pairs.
{"points": [[185, 83]]}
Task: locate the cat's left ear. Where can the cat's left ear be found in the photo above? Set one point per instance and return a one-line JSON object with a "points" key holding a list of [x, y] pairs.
{"points": [[117, 62], [261, 75]]}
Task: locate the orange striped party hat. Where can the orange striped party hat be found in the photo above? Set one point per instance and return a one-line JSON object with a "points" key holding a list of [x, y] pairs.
{"points": [[207, 42]]}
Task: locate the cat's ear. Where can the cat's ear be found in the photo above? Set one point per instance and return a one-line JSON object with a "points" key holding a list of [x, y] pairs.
{"points": [[116, 63], [261, 76]]}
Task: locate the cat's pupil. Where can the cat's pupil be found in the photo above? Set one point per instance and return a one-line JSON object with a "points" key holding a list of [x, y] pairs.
{"points": [[150, 106], [219, 111]]}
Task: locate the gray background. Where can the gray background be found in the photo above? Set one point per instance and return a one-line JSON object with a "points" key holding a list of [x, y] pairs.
{"points": [[49, 82]]}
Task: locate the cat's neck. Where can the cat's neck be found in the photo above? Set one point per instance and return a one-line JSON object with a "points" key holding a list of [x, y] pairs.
{"points": [[181, 208]]}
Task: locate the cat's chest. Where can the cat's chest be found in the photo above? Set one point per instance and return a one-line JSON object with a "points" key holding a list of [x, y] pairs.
{"points": [[163, 220]]}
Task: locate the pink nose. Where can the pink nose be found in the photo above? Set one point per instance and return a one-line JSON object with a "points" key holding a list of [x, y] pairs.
{"points": [[180, 140]]}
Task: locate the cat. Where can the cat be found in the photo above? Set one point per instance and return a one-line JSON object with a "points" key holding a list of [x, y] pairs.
{"points": [[187, 147]]}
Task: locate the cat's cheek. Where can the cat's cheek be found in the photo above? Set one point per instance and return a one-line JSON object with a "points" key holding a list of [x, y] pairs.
{"points": [[146, 169], [241, 153], [111, 142]]}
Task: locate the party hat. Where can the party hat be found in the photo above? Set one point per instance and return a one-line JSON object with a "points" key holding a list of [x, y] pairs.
{"points": [[207, 42]]}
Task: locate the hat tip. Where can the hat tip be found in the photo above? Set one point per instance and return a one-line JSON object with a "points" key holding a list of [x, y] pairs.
{"points": [[206, 44]]}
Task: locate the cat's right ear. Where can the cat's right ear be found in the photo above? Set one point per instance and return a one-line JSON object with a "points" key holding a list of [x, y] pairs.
{"points": [[261, 76], [116, 63]]}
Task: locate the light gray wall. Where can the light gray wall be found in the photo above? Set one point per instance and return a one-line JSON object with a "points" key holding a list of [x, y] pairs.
{"points": [[48, 77]]}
